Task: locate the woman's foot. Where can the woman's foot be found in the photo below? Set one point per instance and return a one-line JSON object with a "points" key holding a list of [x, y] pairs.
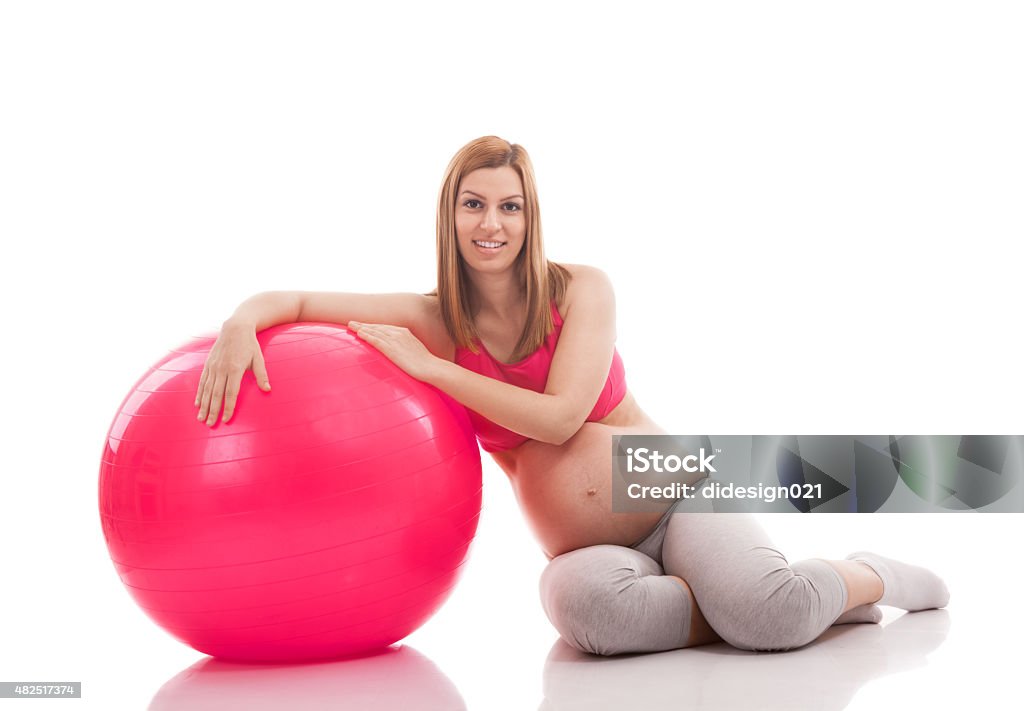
{"points": [[862, 614], [906, 586]]}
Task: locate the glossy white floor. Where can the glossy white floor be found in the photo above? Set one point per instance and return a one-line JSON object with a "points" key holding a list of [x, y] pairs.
{"points": [[490, 647]]}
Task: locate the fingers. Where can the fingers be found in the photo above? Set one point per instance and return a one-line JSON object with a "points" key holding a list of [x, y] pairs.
{"points": [[368, 334], [221, 379], [359, 325], [202, 384], [204, 398], [372, 331], [259, 369], [216, 398], [231, 394]]}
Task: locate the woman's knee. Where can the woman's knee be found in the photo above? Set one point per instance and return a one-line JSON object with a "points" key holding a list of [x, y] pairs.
{"points": [[597, 599], [765, 626], [587, 581], [779, 636], [795, 606]]}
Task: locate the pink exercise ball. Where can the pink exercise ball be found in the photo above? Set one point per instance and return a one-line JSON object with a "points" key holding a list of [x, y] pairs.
{"points": [[329, 517]]}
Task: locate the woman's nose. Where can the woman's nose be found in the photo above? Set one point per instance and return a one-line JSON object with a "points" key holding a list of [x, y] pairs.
{"points": [[490, 222]]}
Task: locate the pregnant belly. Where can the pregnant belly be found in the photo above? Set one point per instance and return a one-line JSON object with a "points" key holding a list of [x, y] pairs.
{"points": [[565, 491]]}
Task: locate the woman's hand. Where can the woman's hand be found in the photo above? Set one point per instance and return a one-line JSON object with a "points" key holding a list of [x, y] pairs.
{"points": [[399, 345], [235, 351]]}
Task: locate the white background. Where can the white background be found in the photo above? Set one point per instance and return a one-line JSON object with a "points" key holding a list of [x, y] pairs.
{"points": [[810, 211]]}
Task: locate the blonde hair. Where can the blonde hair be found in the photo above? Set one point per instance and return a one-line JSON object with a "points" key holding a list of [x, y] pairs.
{"points": [[542, 280]]}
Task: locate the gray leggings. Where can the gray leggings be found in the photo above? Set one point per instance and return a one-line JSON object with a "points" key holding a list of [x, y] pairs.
{"points": [[612, 600]]}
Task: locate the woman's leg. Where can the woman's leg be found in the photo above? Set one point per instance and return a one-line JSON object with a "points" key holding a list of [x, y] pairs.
{"points": [[700, 631], [749, 593], [755, 599], [863, 586], [614, 600], [901, 584]]}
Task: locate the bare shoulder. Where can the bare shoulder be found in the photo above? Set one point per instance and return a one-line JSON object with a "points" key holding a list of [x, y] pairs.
{"points": [[429, 327], [588, 285]]}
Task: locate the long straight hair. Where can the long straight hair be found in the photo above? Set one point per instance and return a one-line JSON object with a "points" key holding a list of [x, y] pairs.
{"points": [[543, 280]]}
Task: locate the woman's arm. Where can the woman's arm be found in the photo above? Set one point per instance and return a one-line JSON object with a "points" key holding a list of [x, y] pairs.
{"points": [[413, 311], [535, 415], [577, 376], [266, 309], [237, 350]]}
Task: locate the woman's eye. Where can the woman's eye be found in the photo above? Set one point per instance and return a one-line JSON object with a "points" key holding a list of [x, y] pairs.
{"points": [[472, 203], [512, 207]]}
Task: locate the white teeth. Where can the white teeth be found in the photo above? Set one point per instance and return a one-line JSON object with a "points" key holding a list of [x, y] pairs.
{"points": [[490, 245]]}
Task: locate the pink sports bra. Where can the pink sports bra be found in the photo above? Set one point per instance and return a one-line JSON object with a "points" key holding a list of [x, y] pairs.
{"points": [[532, 373]]}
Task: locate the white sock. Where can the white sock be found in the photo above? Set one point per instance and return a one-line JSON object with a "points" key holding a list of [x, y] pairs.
{"points": [[906, 586], [864, 613]]}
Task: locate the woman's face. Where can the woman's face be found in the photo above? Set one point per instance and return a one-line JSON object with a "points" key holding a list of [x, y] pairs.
{"points": [[490, 225]]}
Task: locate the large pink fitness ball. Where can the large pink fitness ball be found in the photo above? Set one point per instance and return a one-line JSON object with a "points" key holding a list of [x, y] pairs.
{"points": [[329, 517]]}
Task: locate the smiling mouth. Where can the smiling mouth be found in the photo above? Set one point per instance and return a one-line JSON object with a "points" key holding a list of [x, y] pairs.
{"points": [[489, 245]]}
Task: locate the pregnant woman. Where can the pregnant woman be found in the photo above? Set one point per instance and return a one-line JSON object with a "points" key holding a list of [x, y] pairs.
{"points": [[528, 346]]}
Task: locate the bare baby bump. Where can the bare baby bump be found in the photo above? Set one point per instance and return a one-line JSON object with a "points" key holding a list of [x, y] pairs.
{"points": [[565, 491]]}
